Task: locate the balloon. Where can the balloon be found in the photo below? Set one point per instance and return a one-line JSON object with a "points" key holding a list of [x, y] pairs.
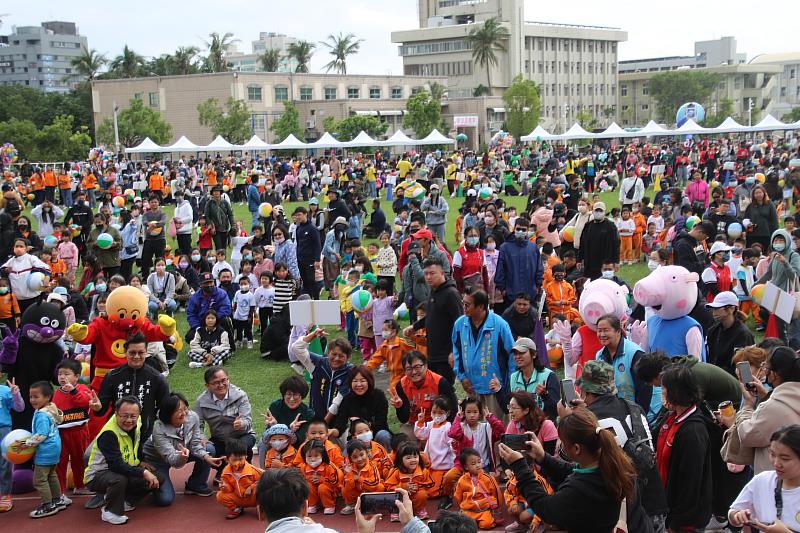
{"points": [[31, 196], [130, 193], [485, 193], [37, 281], [401, 313], [690, 110], [714, 184], [781, 183], [757, 292], [84, 377], [361, 300], [691, 221], [50, 241], [418, 193], [568, 234], [8, 154], [104, 241], [21, 480], [735, 230], [74, 230], [265, 210], [118, 201], [760, 177], [225, 188], [14, 448]]}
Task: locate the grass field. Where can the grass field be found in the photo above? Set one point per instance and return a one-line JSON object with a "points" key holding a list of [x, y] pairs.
{"points": [[260, 379]]}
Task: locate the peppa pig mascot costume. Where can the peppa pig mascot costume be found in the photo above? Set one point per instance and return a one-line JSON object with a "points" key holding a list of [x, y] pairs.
{"points": [[672, 293], [542, 218], [599, 297]]}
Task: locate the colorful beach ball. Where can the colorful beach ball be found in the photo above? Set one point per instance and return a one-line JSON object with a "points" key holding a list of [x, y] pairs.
{"points": [[84, 377], [757, 292], [760, 177], [130, 193], [118, 201], [735, 230], [691, 221], [265, 210], [74, 230], [104, 241], [50, 241], [361, 300], [568, 234], [401, 313], [37, 281], [485, 193], [14, 448]]}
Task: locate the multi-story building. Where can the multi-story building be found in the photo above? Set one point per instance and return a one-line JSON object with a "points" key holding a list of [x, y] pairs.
{"points": [[574, 66], [717, 52], [251, 62], [317, 97], [786, 90], [41, 56]]}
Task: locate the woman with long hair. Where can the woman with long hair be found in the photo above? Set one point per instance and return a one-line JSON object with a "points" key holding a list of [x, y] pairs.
{"points": [[526, 416], [762, 216], [594, 486]]}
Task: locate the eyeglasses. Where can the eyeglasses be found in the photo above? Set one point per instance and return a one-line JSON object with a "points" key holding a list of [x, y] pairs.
{"points": [[514, 407], [127, 417], [219, 382], [414, 368], [292, 395]]}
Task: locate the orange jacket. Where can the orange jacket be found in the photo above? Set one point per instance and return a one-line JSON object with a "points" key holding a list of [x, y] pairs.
{"points": [[89, 181], [328, 473], [477, 494], [392, 352], [64, 182], [156, 182], [641, 224], [58, 268], [236, 483], [49, 178], [9, 306], [287, 457], [211, 177], [36, 182], [369, 479], [334, 454], [421, 477], [559, 291]]}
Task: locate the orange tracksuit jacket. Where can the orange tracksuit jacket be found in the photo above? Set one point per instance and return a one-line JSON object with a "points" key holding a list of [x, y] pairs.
{"points": [[563, 291], [421, 477], [89, 182], [334, 454], [287, 457], [478, 496], [369, 480], [323, 484], [156, 182], [233, 485], [392, 352]]}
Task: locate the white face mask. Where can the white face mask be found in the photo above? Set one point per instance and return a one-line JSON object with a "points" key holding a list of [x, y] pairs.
{"points": [[652, 265], [314, 463], [582, 209], [365, 437], [598, 215], [608, 274], [439, 419], [279, 445]]}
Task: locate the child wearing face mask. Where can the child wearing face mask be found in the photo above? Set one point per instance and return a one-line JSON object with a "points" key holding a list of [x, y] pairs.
{"points": [[391, 352], [275, 449], [68, 253], [9, 307], [492, 256], [324, 477], [237, 484], [204, 240], [19, 268], [437, 444], [244, 306], [560, 295], [361, 431]]}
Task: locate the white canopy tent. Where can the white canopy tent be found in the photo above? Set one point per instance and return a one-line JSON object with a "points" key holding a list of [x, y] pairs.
{"points": [[362, 139], [690, 127], [289, 143], [218, 145], [576, 132], [539, 134], [434, 137], [145, 147], [651, 129], [326, 141], [255, 143], [398, 138], [182, 145], [770, 123], [613, 131], [730, 126]]}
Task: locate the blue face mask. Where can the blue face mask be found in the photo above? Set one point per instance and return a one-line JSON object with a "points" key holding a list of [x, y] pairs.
{"points": [[472, 241], [248, 257], [100, 287], [750, 180], [608, 274]]}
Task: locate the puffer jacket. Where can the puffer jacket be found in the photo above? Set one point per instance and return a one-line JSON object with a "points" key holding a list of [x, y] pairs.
{"points": [[162, 446], [756, 427], [220, 419], [782, 273]]}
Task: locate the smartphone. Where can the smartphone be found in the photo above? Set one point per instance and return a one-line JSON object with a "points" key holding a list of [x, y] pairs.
{"points": [[567, 391], [379, 503], [515, 442], [745, 375]]}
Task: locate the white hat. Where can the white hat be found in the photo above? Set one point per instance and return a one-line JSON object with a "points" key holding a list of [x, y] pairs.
{"points": [[56, 296], [724, 299], [718, 246]]}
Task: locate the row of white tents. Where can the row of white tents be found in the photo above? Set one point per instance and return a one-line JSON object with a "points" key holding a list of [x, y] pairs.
{"points": [[690, 127], [327, 141]]}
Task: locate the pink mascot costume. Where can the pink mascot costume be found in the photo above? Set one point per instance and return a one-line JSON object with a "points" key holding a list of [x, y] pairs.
{"points": [[542, 218], [671, 291], [599, 297]]}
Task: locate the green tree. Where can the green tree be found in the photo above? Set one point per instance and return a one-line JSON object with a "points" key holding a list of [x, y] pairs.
{"points": [[424, 114], [163, 65], [347, 129], [27, 103], [270, 60], [184, 60], [301, 51], [217, 46], [587, 121], [480, 90], [522, 106], [128, 64], [486, 41], [792, 116], [88, 64], [724, 110], [22, 134], [288, 122], [672, 89], [57, 141], [340, 46], [438, 91], [232, 122], [135, 122]]}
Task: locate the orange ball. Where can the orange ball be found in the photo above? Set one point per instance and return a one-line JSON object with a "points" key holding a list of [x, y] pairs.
{"points": [[568, 234], [757, 292]]}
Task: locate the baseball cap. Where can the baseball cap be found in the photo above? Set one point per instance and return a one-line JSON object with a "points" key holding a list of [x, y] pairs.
{"points": [[423, 234], [718, 246], [599, 206], [206, 277], [524, 344], [597, 378], [724, 299], [313, 201], [435, 186]]}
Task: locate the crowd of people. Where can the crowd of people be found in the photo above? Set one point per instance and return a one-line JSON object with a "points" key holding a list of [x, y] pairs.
{"points": [[466, 343]]}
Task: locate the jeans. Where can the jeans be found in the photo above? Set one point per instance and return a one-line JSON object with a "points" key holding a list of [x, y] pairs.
{"points": [[351, 322], [5, 466], [372, 192], [165, 494], [254, 221], [170, 306], [66, 197], [384, 438], [437, 230], [152, 249], [90, 195]]}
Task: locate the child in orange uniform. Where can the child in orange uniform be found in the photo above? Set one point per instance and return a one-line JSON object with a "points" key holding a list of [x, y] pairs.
{"points": [[324, 478], [9, 307], [411, 475], [391, 351], [641, 227], [318, 430], [560, 296], [518, 506], [361, 474], [237, 484], [361, 430], [276, 450], [477, 493], [437, 443]]}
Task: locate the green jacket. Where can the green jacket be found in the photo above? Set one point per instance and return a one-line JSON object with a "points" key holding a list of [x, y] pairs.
{"points": [[110, 256], [716, 385]]}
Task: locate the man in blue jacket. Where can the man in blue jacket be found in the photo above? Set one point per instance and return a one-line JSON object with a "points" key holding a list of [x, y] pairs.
{"points": [[253, 200], [482, 361], [519, 267], [208, 297]]}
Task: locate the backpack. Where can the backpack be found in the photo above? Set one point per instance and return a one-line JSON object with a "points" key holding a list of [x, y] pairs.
{"points": [[637, 447]]}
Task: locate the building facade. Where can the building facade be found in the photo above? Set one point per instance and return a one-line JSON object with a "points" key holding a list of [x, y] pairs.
{"points": [[317, 97], [706, 54], [786, 90], [251, 62], [41, 56], [574, 66]]}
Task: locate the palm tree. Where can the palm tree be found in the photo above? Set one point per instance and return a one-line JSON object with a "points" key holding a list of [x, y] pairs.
{"points": [[88, 63], [301, 51], [271, 60], [438, 91], [340, 47], [163, 65], [128, 64], [217, 47], [486, 41], [184, 59]]}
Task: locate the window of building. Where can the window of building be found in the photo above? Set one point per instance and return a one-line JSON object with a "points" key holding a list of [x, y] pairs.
{"points": [[259, 123], [792, 74], [306, 93], [623, 89], [375, 92], [645, 107], [541, 43], [330, 93], [353, 92], [591, 90], [547, 90], [415, 90], [613, 89], [783, 91], [281, 94], [254, 93], [397, 92], [644, 89], [527, 66], [591, 46], [153, 99], [138, 96], [602, 46], [579, 89]]}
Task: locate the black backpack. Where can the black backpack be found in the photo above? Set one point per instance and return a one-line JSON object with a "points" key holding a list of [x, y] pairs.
{"points": [[637, 446]]}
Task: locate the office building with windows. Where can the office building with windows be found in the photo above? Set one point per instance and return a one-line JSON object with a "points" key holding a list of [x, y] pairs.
{"points": [[251, 62], [41, 56], [786, 89]]}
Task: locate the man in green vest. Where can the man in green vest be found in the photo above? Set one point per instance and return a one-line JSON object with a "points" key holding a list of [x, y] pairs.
{"points": [[114, 467]]}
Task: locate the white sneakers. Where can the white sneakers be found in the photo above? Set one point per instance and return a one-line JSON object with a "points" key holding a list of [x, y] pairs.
{"points": [[111, 518], [195, 364]]}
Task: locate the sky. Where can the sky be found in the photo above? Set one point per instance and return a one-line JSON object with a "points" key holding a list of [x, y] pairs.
{"points": [[153, 27]]}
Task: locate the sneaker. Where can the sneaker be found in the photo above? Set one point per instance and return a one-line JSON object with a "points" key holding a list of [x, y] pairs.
{"points": [[265, 355], [234, 513], [111, 518], [394, 517], [83, 491], [423, 514], [516, 527], [329, 510], [312, 509], [6, 504], [44, 509], [195, 364], [249, 345], [62, 503], [129, 507], [348, 509], [716, 524], [445, 503], [205, 491], [299, 369], [95, 502]]}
